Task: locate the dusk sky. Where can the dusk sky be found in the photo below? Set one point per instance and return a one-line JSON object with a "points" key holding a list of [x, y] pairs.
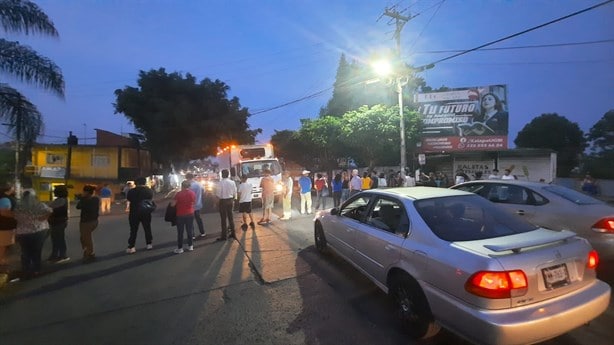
{"points": [[273, 52]]}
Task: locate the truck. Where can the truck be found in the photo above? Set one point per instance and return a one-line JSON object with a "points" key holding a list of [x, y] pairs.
{"points": [[251, 161]]}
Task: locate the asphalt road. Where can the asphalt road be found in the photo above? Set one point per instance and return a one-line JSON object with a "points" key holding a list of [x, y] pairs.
{"points": [[269, 286]]}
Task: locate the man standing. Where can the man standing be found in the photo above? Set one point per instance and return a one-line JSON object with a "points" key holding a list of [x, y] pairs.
{"points": [[355, 183], [305, 183], [226, 193], [507, 175], [137, 216], [494, 175], [268, 196], [288, 185], [105, 199], [89, 206], [197, 188]]}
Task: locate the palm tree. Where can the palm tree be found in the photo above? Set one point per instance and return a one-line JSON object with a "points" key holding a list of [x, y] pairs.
{"points": [[23, 119]]}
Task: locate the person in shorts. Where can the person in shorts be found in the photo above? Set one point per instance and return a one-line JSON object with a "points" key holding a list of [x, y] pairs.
{"points": [[245, 203], [268, 188]]}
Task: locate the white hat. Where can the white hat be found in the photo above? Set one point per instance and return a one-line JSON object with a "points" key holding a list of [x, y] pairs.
{"points": [[306, 172]]}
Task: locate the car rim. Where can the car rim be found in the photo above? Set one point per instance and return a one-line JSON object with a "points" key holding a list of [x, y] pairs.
{"points": [[319, 242], [406, 308]]}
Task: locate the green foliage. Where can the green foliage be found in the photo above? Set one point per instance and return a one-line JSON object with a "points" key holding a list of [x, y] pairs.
{"points": [[372, 133], [555, 132], [601, 136], [181, 118], [22, 62], [600, 163], [357, 85]]}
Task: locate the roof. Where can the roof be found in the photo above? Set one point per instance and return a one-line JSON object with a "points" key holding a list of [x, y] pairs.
{"points": [[518, 182], [421, 192]]}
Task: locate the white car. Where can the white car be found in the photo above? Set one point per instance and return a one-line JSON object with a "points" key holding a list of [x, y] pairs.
{"points": [[554, 207], [453, 259]]}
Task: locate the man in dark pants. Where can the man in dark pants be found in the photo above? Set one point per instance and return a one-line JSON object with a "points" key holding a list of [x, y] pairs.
{"points": [[135, 217], [226, 193]]}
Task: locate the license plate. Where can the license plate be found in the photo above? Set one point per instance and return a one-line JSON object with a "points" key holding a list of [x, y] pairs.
{"points": [[556, 276]]}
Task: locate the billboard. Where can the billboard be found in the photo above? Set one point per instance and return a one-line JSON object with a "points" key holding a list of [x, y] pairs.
{"points": [[464, 119]]}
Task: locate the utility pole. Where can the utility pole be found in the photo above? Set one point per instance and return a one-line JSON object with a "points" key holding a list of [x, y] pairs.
{"points": [[401, 78]]}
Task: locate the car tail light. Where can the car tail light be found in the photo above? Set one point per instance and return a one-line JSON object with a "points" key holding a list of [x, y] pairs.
{"points": [[497, 284], [604, 225], [593, 259]]}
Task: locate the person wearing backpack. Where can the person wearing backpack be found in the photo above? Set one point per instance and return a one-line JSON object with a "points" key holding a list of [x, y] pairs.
{"points": [[141, 200]]}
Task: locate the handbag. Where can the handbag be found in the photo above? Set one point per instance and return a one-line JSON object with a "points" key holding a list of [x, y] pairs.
{"points": [[147, 206], [171, 214]]}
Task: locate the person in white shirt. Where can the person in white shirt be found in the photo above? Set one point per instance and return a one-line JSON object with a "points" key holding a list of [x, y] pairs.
{"points": [[507, 175], [226, 193], [245, 203], [288, 185], [494, 175]]}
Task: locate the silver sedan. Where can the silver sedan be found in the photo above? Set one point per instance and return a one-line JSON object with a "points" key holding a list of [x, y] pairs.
{"points": [[553, 207], [453, 259]]}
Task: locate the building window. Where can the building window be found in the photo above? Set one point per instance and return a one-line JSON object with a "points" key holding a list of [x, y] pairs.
{"points": [[54, 158], [100, 160]]}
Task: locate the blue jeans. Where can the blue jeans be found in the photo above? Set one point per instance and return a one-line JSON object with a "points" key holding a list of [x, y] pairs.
{"points": [[185, 223], [345, 194]]}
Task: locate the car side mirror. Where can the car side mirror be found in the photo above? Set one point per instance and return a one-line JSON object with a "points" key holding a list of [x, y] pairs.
{"points": [[334, 211]]}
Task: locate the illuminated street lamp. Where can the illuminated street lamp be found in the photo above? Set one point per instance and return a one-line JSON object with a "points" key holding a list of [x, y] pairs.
{"points": [[384, 69]]}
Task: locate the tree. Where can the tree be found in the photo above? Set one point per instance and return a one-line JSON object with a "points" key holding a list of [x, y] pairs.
{"points": [[182, 119], [24, 120], [373, 133], [319, 142], [601, 161], [356, 85], [601, 135], [555, 132]]}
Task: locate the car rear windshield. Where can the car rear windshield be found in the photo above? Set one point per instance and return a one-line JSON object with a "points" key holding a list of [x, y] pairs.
{"points": [[572, 195], [468, 218]]}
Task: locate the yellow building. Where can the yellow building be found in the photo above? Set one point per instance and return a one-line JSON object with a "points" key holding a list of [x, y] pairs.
{"points": [[114, 159]]}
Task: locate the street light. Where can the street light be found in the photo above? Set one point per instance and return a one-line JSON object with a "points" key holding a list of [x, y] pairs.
{"points": [[384, 68]]}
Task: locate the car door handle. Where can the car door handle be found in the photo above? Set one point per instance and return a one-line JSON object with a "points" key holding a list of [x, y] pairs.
{"points": [[520, 212], [389, 247]]}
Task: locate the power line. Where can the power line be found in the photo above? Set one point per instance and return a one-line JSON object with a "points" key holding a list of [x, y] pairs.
{"points": [[424, 67], [516, 34], [521, 47]]}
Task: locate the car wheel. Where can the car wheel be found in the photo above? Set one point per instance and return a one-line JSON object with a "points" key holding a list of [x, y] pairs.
{"points": [[320, 239], [412, 308]]}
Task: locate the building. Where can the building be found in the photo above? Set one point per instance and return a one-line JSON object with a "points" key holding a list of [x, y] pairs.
{"points": [[114, 159]]}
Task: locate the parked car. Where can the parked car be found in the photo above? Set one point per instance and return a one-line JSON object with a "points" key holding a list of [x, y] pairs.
{"points": [[451, 258], [554, 207]]}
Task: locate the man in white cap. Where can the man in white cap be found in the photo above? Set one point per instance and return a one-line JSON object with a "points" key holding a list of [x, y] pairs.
{"points": [[305, 184]]}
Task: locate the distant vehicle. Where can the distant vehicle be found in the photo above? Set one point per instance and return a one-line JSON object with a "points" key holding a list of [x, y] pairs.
{"points": [[251, 161], [453, 259], [553, 207]]}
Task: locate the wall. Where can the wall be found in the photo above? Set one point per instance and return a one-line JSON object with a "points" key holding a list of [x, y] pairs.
{"points": [[606, 187]]}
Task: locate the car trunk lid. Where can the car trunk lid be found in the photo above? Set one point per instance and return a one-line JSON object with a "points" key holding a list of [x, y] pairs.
{"points": [[554, 262]]}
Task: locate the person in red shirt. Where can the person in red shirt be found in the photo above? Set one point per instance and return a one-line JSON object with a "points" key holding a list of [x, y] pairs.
{"points": [[184, 203]]}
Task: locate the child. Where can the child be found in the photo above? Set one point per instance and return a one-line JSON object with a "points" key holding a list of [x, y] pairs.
{"points": [[245, 203]]}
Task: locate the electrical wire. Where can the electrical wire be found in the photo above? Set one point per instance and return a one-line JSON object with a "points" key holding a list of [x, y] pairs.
{"points": [[430, 65]]}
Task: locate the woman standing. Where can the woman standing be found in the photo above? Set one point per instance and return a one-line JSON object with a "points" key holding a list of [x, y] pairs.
{"points": [[7, 222], [184, 204], [345, 186], [31, 232], [57, 224], [337, 185]]}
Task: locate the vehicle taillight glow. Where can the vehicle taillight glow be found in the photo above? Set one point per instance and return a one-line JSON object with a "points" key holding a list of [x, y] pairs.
{"points": [[593, 259], [604, 225], [493, 284]]}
